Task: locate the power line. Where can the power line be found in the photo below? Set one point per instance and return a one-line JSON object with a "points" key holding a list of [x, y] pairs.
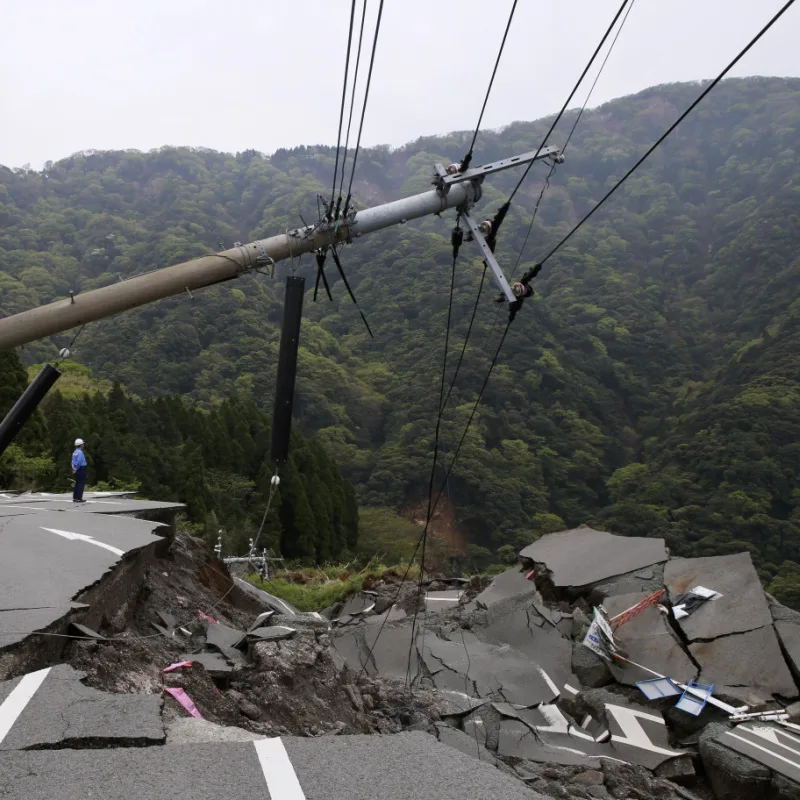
{"points": [[571, 94], [341, 110], [441, 488], [669, 130], [364, 107], [552, 171], [468, 157], [545, 185], [599, 73], [457, 238], [472, 413], [352, 103], [466, 337]]}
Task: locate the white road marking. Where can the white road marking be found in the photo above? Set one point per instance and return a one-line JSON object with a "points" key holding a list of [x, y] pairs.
{"points": [[558, 723], [634, 733], [759, 747], [549, 682], [570, 689], [20, 696], [278, 770], [82, 537]]}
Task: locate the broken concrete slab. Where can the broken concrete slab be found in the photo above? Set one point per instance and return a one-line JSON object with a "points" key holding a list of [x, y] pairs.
{"points": [[223, 637], [748, 666], [546, 736], [510, 583], [215, 664], [358, 604], [82, 630], [523, 627], [392, 614], [17, 624], [639, 735], [628, 583], [452, 703], [751, 761], [789, 636], [742, 607], [388, 652], [472, 746], [584, 556], [493, 670], [635, 733], [273, 632], [649, 640], [781, 613], [261, 619], [266, 599], [52, 708]]}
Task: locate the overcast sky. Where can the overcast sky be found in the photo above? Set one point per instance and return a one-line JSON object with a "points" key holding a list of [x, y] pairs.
{"points": [[264, 74]]}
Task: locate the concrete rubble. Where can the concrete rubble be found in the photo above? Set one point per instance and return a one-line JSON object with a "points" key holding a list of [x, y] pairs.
{"points": [[422, 691]]}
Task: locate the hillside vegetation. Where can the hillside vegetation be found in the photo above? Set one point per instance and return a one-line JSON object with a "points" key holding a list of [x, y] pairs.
{"points": [[650, 387]]}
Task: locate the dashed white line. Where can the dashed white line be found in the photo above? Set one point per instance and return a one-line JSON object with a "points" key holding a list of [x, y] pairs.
{"points": [[20, 696], [278, 770]]}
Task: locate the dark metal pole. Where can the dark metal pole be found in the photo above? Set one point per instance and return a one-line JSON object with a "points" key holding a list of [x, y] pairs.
{"points": [[287, 369], [26, 405]]}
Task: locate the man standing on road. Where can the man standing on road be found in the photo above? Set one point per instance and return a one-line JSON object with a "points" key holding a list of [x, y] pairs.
{"points": [[79, 468]]}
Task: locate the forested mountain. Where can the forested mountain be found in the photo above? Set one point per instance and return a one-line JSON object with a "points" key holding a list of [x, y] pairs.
{"points": [[650, 386]]}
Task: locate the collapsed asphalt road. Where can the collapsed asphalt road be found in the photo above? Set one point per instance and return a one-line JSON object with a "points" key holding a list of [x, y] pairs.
{"points": [[139, 646]]}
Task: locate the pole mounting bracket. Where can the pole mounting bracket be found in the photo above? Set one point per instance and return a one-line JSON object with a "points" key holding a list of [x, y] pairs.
{"points": [[488, 256]]}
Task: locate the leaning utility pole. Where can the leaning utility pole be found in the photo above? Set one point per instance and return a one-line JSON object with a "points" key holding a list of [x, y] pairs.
{"points": [[454, 189]]}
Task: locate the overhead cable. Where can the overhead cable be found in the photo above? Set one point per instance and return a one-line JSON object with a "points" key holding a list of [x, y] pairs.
{"points": [[468, 157], [466, 337], [599, 73], [666, 133], [457, 238], [364, 106], [472, 415], [352, 104], [550, 174], [441, 488], [569, 98], [341, 110]]}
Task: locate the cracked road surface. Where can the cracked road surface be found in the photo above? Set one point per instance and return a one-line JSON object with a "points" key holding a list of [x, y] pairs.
{"points": [[50, 556], [48, 718], [51, 708]]}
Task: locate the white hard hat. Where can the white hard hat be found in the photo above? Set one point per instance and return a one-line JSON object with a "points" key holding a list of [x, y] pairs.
{"points": [[78, 442]]}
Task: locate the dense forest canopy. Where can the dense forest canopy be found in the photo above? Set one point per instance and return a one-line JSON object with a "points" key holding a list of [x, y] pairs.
{"points": [[649, 387]]}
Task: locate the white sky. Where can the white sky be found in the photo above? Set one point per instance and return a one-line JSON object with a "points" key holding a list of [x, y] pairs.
{"points": [[263, 74]]}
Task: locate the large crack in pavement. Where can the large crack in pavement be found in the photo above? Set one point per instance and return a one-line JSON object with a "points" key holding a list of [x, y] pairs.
{"points": [[324, 682]]}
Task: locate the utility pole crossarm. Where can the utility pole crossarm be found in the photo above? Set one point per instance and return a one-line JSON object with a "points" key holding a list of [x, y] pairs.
{"points": [[453, 190]]}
